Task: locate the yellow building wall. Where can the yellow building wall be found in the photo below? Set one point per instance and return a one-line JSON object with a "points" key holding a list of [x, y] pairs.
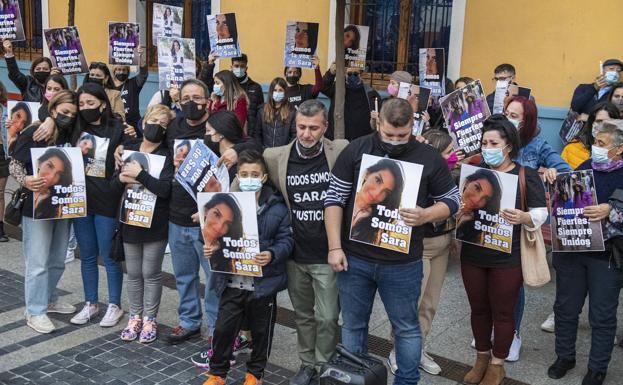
{"points": [[91, 18], [262, 31], [554, 44]]}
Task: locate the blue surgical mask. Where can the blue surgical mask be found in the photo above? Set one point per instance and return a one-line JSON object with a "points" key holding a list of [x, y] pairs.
{"points": [[611, 77], [278, 96], [250, 184], [599, 154], [516, 122], [218, 90], [239, 72], [493, 156]]}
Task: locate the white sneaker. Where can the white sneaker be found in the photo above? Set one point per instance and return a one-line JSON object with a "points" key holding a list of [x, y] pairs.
{"points": [[429, 365], [391, 362], [112, 316], [40, 323], [61, 308], [88, 311], [549, 324], [513, 353], [70, 256]]}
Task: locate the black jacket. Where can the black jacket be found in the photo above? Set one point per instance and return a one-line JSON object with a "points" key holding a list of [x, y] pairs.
{"points": [[30, 89], [130, 92], [276, 133], [585, 97]]}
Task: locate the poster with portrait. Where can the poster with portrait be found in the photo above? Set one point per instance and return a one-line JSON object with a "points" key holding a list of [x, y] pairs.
{"points": [[123, 43], [484, 193], [356, 45], [504, 90], [94, 150], [66, 50], [166, 21], [301, 44], [464, 112], [384, 186], [571, 127], [11, 25], [570, 193], [19, 115], [432, 70], [176, 61], [235, 244], [419, 98], [137, 202], [199, 171], [223, 35], [64, 192]]}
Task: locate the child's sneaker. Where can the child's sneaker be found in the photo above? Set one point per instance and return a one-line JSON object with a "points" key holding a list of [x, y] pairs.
{"points": [[250, 379], [214, 380], [202, 359], [134, 327], [149, 331], [242, 345]]}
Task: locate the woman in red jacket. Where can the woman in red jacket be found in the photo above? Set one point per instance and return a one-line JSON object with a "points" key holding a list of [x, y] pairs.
{"points": [[229, 95]]}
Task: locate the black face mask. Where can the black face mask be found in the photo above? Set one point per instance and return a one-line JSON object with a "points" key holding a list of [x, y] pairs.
{"points": [[153, 132], [40, 76], [91, 115], [294, 80], [122, 76], [394, 149], [97, 81], [193, 111], [207, 140], [64, 122]]}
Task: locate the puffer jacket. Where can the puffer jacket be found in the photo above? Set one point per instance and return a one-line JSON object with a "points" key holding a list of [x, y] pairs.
{"points": [[276, 133], [538, 153], [273, 223], [575, 154]]}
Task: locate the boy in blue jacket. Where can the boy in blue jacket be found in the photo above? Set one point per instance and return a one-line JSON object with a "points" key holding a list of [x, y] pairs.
{"points": [[253, 298]]}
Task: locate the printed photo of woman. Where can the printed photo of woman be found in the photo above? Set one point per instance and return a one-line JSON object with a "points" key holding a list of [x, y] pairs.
{"points": [[482, 190], [179, 154], [20, 117], [222, 217], [54, 167]]}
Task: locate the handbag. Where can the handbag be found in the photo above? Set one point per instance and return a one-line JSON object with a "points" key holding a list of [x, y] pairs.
{"points": [[15, 207], [533, 260], [117, 253]]}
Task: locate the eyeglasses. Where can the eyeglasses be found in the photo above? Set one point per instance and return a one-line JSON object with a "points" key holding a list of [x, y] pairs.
{"points": [[196, 99], [501, 78]]}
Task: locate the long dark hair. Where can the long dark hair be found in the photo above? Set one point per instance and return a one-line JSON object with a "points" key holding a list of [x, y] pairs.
{"points": [[66, 177], [232, 90], [140, 158], [586, 133], [271, 111], [56, 78], [24, 107], [107, 119], [355, 30], [493, 204], [96, 65], [235, 229], [363, 230]]}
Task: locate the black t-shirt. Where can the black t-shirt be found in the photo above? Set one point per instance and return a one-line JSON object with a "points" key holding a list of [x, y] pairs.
{"points": [[130, 92], [307, 181], [436, 183], [299, 93], [484, 257]]}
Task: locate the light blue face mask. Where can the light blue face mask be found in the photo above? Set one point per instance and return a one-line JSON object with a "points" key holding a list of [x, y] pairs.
{"points": [[611, 77], [250, 184], [278, 96], [599, 154], [239, 72], [493, 156], [516, 122], [218, 90]]}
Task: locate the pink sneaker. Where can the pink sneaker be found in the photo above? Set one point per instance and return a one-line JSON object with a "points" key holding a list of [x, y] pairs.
{"points": [[134, 327]]}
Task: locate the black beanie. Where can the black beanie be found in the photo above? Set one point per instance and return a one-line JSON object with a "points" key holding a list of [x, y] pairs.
{"points": [[226, 123]]}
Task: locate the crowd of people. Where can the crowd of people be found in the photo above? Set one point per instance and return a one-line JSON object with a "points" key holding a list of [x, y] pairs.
{"points": [[305, 181]]}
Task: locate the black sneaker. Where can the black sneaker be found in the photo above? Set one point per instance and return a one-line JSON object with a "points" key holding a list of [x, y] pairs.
{"points": [[242, 345], [202, 359], [560, 368], [304, 376], [594, 378], [179, 334]]}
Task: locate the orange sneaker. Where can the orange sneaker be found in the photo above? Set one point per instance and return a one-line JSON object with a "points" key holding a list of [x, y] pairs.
{"points": [[214, 380], [250, 379]]}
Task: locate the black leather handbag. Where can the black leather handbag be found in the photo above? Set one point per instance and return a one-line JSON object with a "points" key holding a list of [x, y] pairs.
{"points": [[15, 207]]}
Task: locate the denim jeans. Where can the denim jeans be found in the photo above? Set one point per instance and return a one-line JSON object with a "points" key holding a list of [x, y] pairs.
{"points": [[94, 234], [576, 276], [187, 257], [44, 244], [399, 288]]}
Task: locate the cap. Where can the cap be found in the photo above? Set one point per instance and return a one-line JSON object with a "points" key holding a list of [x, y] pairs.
{"points": [[611, 62], [402, 76]]}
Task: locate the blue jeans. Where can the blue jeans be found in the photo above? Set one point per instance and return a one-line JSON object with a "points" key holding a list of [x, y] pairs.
{"points": [[44, 244], [94, 234], [576, 276], [187, 257], [399, 287]]}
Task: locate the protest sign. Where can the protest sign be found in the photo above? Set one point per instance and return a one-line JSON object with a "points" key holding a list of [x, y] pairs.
{"points": [[571, 127], [176, 61], [223, 35], [235, 245], [464, 112], [123, 43], [138, 203], [199, 171], [94, 150], [301, 44], [166, 21], [66, 50], [432, 70], [64, 193], [376, 219], [19, 116], [570, 193], [419, 98], [11, 25], [355, 45], [515, 90], [504, 90], [484, 193]]}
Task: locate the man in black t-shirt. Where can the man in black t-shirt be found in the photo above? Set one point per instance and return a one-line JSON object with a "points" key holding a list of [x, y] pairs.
{"points": [[300, 171], [363, 268]]}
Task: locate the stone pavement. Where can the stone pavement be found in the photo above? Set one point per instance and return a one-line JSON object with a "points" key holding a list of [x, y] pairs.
{"points": [[89, 354]]}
